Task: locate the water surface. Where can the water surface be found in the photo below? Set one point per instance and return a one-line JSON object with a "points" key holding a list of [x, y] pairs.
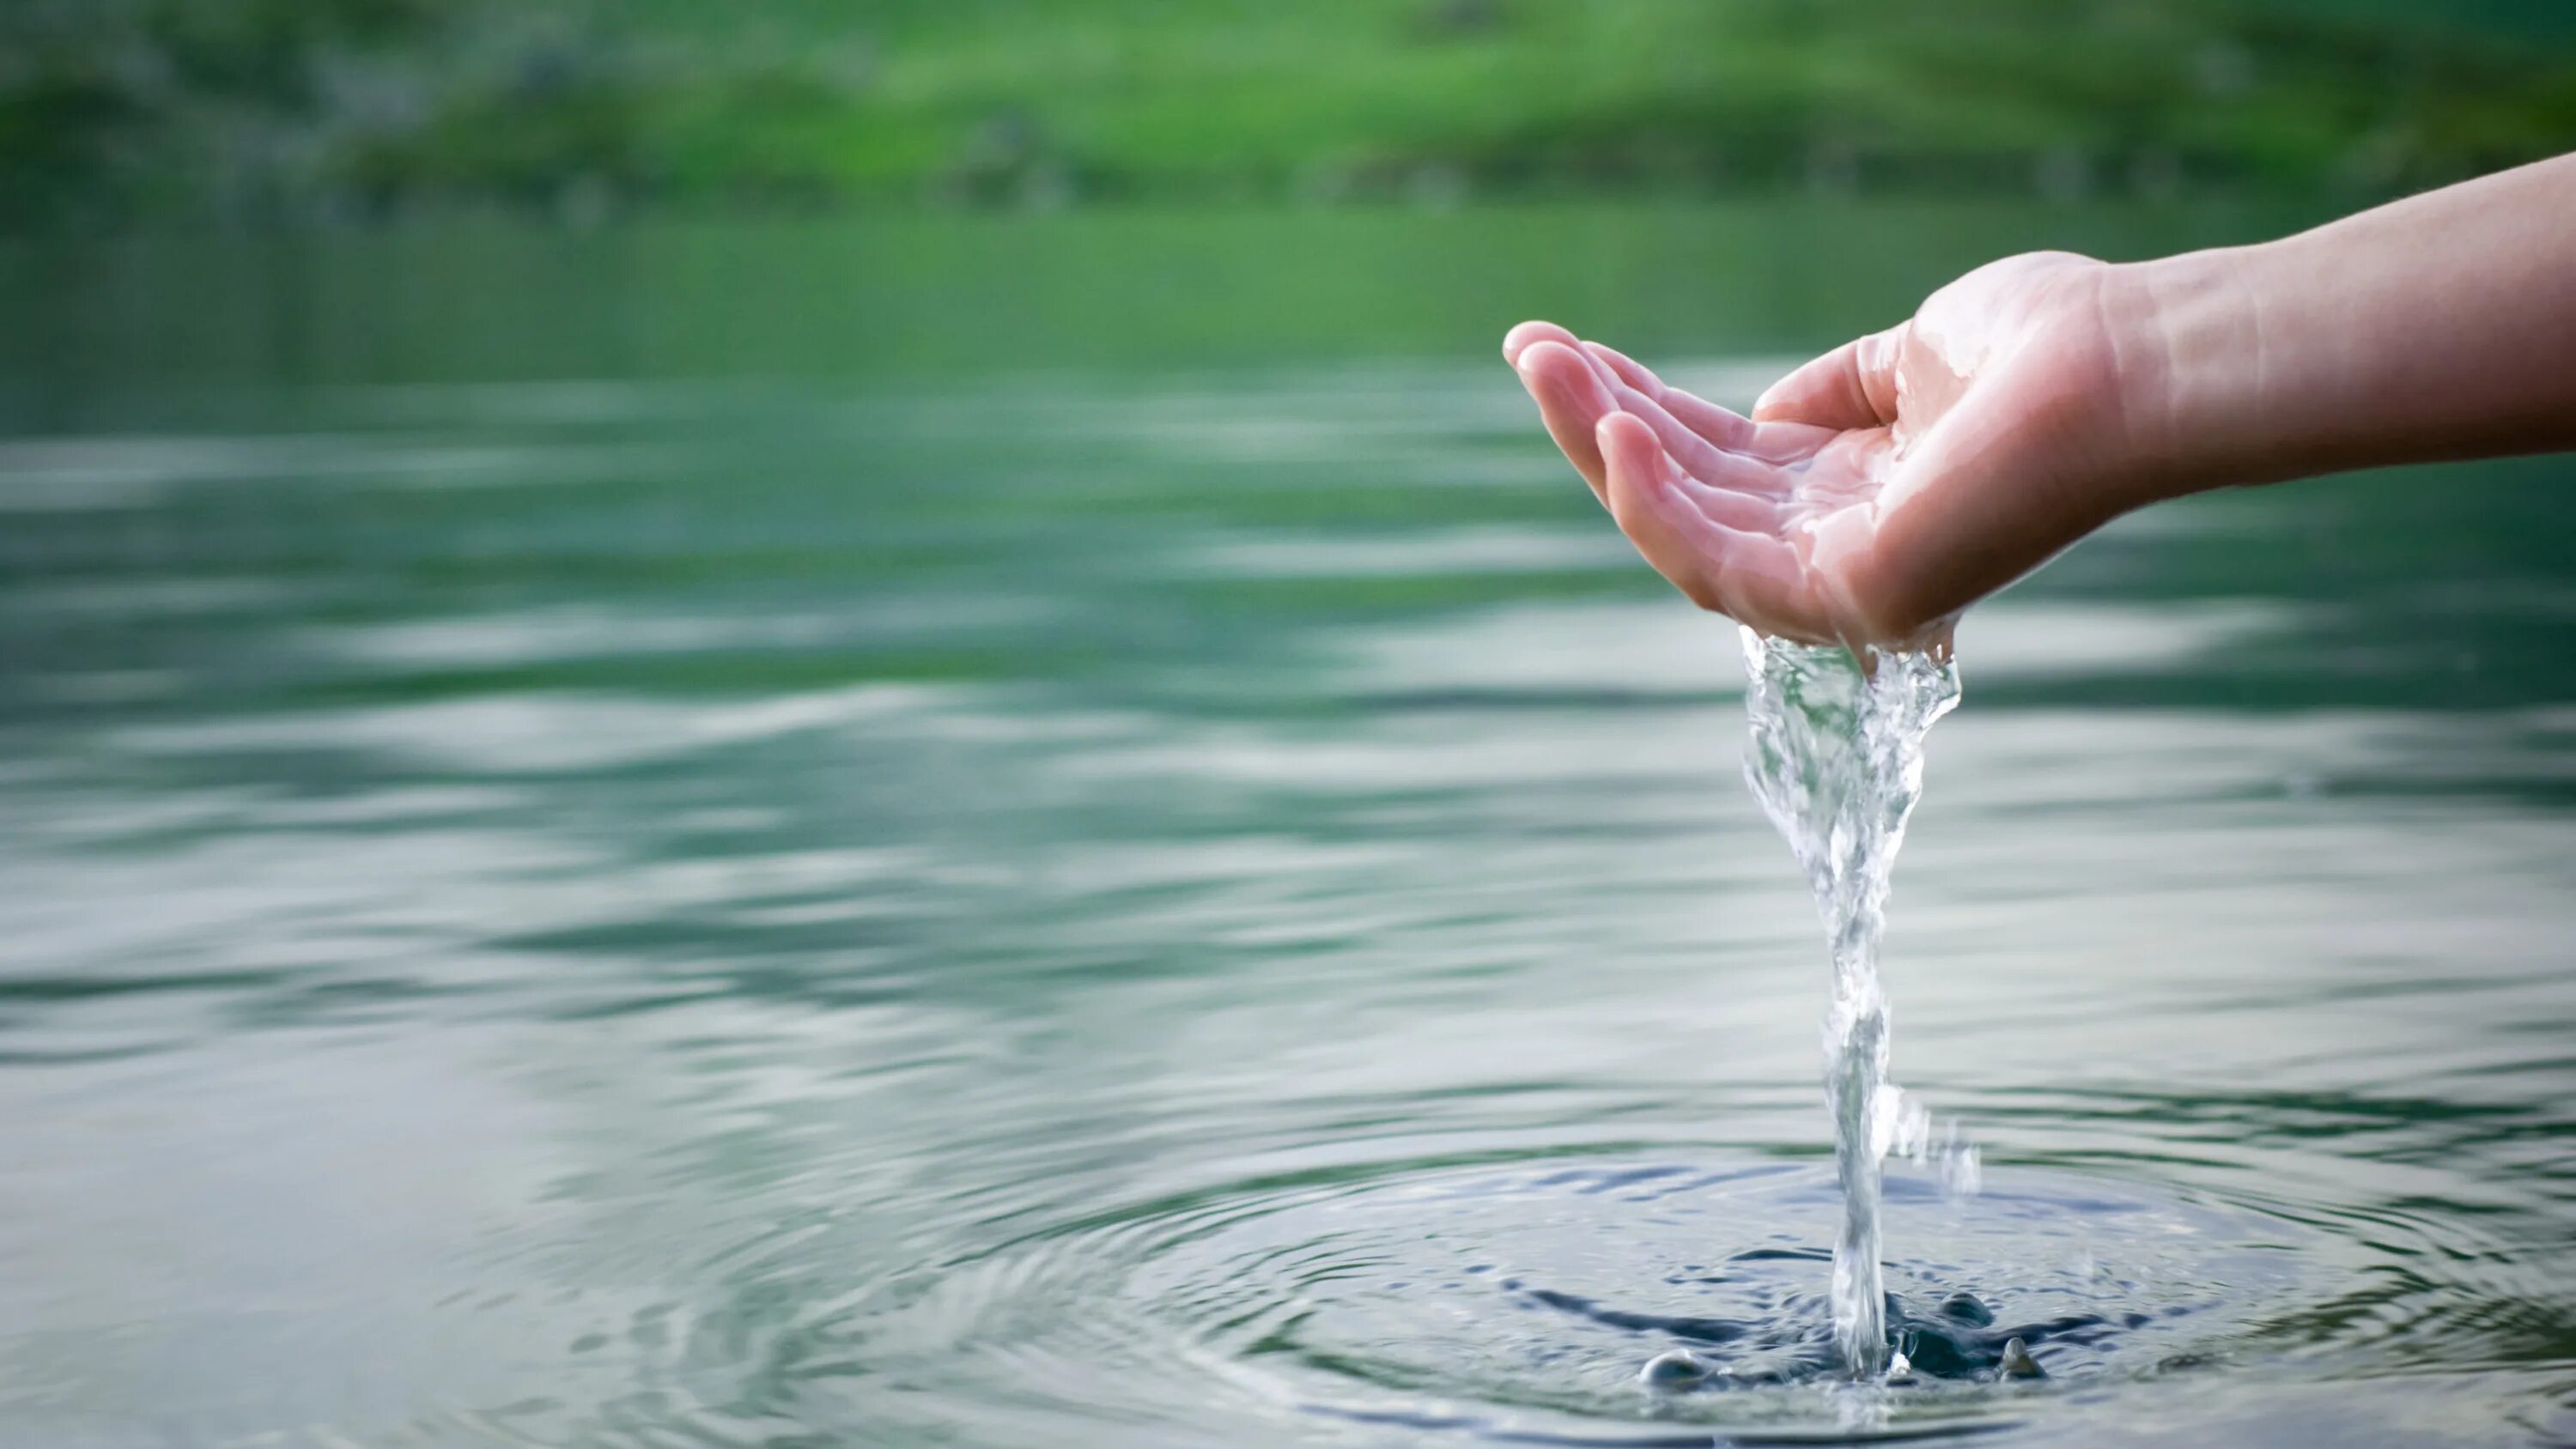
{"points": [[995, 832]]}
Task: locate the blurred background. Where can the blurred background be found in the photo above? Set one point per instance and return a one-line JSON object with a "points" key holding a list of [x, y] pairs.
{"points": [[875, 723], [321, 111]]}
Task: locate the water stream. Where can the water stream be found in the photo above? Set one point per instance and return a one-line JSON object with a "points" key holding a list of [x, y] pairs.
{"points": [[1837, 762], [825, 831]]}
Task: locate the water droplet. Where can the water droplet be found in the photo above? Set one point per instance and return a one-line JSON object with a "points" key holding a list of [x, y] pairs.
{"points": [[1675, 1369]]}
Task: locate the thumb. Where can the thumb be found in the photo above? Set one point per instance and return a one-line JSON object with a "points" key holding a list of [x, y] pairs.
{"points": [[1853, 386]]}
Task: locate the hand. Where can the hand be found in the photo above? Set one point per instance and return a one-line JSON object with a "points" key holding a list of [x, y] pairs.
{"points": [[1885, 486]]}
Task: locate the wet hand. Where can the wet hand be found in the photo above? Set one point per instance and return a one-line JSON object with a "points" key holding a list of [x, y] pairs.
{"points": [[1885, 486]]}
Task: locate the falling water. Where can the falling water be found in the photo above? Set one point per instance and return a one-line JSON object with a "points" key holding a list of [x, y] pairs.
{"points": [[1837, 762]]}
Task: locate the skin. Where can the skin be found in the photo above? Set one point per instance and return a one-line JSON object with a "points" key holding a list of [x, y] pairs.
{"points": [[1881, 489]]}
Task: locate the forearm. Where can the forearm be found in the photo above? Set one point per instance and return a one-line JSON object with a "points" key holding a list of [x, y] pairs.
{"points": [[2442, 326]]}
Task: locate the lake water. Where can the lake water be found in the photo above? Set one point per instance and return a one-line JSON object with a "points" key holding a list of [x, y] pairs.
{"points": [[1068, 831]]}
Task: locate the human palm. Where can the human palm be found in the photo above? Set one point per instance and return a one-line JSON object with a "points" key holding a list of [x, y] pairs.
{"points": [[1883, 487]]}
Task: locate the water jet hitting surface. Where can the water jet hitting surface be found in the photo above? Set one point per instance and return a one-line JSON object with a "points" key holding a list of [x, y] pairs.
{"points": [[1836, 758]]}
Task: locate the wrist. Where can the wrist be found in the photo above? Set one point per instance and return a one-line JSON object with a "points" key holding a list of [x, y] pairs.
{"points": [[2194, 372]]}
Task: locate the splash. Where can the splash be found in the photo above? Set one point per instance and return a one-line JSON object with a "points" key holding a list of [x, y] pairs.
{"points": [[1837, 762]]}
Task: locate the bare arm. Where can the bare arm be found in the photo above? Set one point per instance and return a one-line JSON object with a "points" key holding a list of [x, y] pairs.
{"points": [[1885, 486], [2442, 326]]}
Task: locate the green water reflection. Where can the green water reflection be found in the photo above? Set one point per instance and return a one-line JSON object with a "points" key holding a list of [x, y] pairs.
{"points": [[957, 830]]}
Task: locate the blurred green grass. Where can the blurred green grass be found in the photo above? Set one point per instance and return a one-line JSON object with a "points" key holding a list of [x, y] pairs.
{"points": [[117, 110]]}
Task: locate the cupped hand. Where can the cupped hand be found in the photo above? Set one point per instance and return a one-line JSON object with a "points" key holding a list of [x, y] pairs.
{"points": [[1885, 486]]}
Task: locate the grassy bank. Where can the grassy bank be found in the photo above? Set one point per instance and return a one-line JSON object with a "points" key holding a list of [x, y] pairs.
{"points": [[125, 109]]}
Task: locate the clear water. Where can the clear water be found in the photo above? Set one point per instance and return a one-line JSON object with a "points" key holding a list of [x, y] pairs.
{"points": [[1836, 758], [998, 832]]}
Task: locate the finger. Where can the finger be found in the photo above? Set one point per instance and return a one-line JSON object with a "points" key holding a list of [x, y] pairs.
{"points": [[1528, 334], [1754, 485], [1724, 428], [1787, 442], [1766, 442], [1572, 400], [1762, 482], [1632, 372], [1853, 386], [1747, 575], [1639, 474]]}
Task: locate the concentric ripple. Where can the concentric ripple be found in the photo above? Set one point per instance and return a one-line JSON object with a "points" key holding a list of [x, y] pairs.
{"points": [[1526, 1298], [1153, 911]]}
